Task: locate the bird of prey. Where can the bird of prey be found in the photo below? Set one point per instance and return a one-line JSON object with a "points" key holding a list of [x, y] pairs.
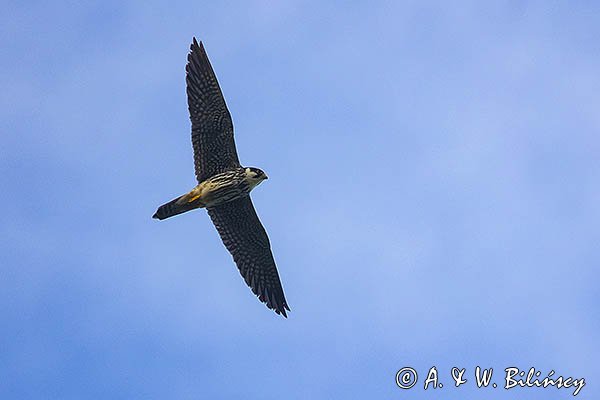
{"points": [[224, 185]]}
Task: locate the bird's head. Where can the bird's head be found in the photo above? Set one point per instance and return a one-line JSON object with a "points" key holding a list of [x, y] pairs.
{"points": [[255, 176]]}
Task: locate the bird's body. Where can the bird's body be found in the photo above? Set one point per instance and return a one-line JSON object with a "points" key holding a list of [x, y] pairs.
{"points": [[224, 185], [216, 190]]}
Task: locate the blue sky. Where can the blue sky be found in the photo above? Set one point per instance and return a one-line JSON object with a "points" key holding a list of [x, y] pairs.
{"points": [[433, 198]]}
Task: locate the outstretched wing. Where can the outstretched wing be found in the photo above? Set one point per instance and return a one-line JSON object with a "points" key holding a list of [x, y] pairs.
{"points": [[247, 241], [212, 129]]}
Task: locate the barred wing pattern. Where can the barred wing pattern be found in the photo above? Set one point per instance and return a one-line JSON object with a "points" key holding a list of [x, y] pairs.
{"points": [[247, 241], [212, 128]]}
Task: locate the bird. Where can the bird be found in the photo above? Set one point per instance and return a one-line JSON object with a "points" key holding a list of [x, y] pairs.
{"points": [[224, 185]]}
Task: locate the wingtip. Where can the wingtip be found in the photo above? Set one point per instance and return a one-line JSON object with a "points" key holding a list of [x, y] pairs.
{"points": [[281, 310], [196, 43]]}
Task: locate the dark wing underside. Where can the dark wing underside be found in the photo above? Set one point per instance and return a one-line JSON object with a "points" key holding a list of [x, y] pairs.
{"points": [[212, 129], [247, 241]]}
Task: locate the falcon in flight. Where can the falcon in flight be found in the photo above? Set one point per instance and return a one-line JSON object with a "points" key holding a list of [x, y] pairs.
{"points": [[224, 185]]}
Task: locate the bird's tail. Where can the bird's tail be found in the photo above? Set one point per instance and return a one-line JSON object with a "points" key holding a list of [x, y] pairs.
{"points": [[173, 207]]}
